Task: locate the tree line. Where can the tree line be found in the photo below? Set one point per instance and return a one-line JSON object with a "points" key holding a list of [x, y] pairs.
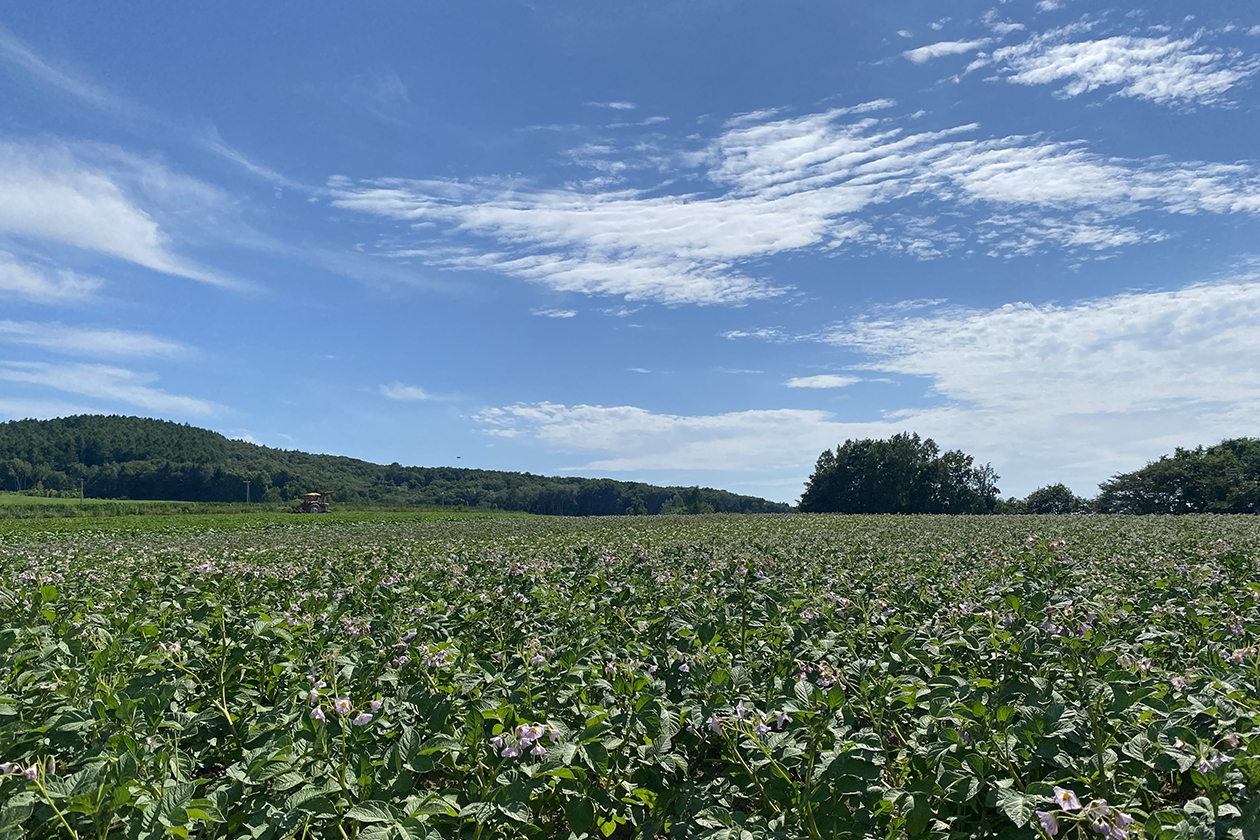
{"points": [[906, 474], [140, 458]]}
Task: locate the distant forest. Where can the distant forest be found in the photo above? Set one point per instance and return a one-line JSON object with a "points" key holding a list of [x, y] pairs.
{"points": [[140, 458]]}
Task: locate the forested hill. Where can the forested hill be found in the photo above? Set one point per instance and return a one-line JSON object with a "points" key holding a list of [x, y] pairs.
{"points": [[139, 458]]}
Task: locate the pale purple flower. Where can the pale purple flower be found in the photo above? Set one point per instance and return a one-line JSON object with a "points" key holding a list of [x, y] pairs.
{"points": [[684, 667], [780, 719], [739, 710], [510, 752], [343, 706], [362, 719], [538, 750], [1123, 820], [375, 705], [317, 715], [1066, 799], [31, 772], [497, 742], [1233, 740], [553, 734], [714, 724], [1049, 823], [1205, 766], [761, 728]]}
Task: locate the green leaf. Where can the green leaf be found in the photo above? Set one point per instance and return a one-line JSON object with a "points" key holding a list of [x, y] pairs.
{"points": [[517, 811], [1017, 807], [373, 812], [14, 814], [918, 811], [580, 813]]}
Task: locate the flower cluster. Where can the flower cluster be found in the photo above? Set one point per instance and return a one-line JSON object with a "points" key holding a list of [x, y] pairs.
{"points": [[513, 744], [31, 772], [1240, 655], [1102, 819], [341, 705]]}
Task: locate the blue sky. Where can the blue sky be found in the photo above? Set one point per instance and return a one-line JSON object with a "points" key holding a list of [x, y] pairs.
{"points": [[681, 242]]}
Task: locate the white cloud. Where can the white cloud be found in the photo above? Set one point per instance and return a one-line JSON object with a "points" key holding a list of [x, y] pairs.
{"points": [[47, 194], [38, 409], [905, 33], [1164, 70], [940, 49], [772, 334], [1000, 27], [85, 342], [554, 313], [826, 182], [615, 106], [1072, 393], [825, 380], [399, 391], [33, 283], [108, 383]]}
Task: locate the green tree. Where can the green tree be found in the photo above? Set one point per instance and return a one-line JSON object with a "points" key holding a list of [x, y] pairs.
{"points": [[1219, 479], [1054, 498], [904, 474]]}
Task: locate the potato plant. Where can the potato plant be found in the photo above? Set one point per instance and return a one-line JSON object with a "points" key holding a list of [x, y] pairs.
{"points": [[684, 677]]}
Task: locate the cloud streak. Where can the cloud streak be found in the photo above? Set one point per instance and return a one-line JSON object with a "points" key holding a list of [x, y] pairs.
{"points": [[86, 342], [1164, 70], [922, 55], [48, 194], [825, 380], [108, 383], [40, 285], [826, 182]]}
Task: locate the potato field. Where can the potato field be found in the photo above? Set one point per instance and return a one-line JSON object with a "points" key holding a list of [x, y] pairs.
{"points": [[778, 676]]}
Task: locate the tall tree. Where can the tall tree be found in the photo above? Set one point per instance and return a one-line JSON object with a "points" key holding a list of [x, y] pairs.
{"points": [[904, 474], [1219, 479]]}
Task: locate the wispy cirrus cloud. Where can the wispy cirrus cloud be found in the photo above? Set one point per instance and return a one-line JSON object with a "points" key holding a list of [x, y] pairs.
{"points": [[407, 393], [828, 182], [823, 380], [109, 383], [615, 105], [48, 193], [44, 285], [1165, 70], [922, 55], [134, 114], [554, 313], [79, 341]]}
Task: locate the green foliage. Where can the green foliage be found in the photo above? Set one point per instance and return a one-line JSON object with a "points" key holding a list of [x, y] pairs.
{"points": [[903, 474], [682, 677], [140, 458], [1219, 479], [1054, 499]]}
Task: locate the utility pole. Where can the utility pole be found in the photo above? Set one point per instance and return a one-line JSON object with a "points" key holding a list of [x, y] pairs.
{"points": [[247, 492]]}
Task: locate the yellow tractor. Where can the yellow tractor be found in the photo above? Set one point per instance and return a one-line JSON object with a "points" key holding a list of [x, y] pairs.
{"points": [[313, 503]]}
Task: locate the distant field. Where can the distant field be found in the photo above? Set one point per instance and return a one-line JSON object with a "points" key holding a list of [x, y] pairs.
{"points": [[8, 500], [139, 523], [18, 507]]}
